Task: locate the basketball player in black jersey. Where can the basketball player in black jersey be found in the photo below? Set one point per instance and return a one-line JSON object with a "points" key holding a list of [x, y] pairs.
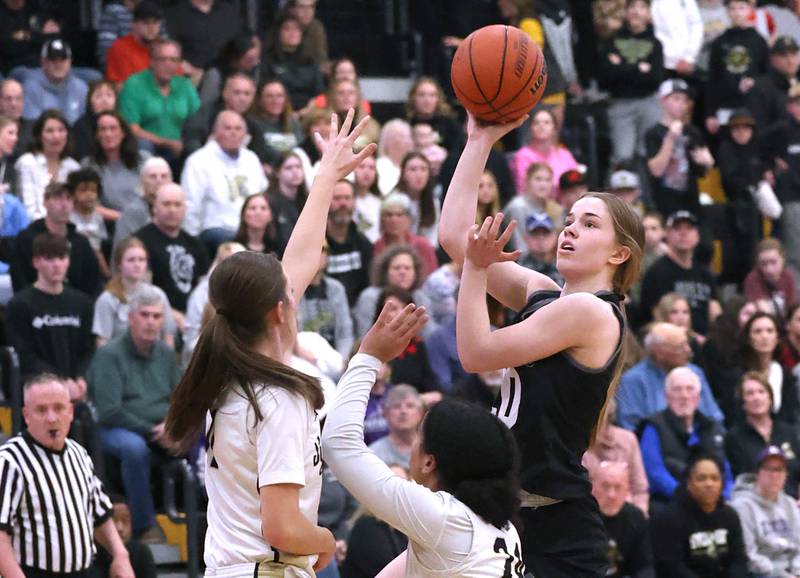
{"points": [[562, 355]]}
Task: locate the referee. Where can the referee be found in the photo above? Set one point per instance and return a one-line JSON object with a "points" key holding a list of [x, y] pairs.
{"points": [[52, 506]]}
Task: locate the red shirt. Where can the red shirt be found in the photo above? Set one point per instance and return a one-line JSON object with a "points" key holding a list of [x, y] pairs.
{"points": [[126, 56]]}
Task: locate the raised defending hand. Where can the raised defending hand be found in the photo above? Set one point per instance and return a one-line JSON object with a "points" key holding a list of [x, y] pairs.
{"points": [[484, 247], [392, 331], [491, 132], [337, 149]]}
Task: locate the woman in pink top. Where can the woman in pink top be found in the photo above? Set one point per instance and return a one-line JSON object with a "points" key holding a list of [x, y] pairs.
{"points": [[543, 147]]}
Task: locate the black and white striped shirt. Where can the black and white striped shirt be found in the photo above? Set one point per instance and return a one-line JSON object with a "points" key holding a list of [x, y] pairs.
{"points": [[50, 503]]}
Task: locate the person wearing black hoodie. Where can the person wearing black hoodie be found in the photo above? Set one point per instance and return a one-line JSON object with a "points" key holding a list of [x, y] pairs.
{"points": [[699, 536], [631, 68], [767, 100], [738, 56]]}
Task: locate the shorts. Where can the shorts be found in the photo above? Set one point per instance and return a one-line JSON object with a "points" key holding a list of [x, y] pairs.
{"points": [[288, 567], [564, 540]]}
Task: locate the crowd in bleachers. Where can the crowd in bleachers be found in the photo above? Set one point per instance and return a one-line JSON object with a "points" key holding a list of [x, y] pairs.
{"points": [[184, 137]]}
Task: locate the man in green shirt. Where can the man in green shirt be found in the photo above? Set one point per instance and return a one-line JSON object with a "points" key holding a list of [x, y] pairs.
{"points": [[131, 380], [156, 102]]}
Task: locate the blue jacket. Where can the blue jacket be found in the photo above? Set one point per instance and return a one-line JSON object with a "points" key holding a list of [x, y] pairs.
{"points": [[14, 220]]}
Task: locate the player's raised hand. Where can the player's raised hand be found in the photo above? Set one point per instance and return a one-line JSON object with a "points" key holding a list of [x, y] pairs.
{"points": [[491, 132], [337, 149], [485, 247], [392, 331]]}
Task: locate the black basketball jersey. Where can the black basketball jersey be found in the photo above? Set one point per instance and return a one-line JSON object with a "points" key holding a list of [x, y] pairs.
{"points": [[551, 406]]}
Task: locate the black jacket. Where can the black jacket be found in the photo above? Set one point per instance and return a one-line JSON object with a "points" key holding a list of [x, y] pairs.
{"points": [[738, 53]]}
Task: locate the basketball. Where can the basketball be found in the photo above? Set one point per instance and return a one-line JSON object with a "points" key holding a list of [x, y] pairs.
{"points": [[498, 73]]}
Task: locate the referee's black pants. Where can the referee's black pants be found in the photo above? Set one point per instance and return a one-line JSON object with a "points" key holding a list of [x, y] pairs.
{"points": [[565, 540], [37, 573]]}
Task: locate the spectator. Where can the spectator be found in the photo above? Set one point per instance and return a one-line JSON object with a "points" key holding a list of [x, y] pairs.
{"points": [[698, 533], [137, 212], [374, 419], [608, 16], [14, 218], [790, 346], [130, 54], [767, 99], [115, 22], [309, 151], [676, 153], [49, 324], [441, 288], [367, 213], [679, 272], [403, 411], [626, 185], [770, 518], [679, 28], [51, 490], [102, 97], [539, 253], [286, 60], [9, 135], [85, 187], [203, 28], [315, 39], [241, 55], [22, 30], [118, 161], [674, 308], [257, 229], [287, 192], [336, 509], [344, 95], [12, 103], [83, 273], [542, 148], [54, 86], [758, 430], [140, 555], [617, 445], [156, 102], [715, 22], [48, 161], [641, 389], [342, 69], [176, 259], [780, 145], [425, 142], [396, 228], [427, 104], [324, 309], [130, 274], [131, 380], [572, 185], [738, 57], [349, 251], [557, 26], [654, 249], [536, 198], [631, 67], [629, 550], [488, 197], [669, 435], [443, 359], [394, 144], [418, 184], [770, 279], [398, 266], [273, 117], [217, 178]]}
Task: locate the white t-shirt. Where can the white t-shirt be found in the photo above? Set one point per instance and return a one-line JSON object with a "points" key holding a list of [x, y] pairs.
{"points": [[244, 456], [446, 538]]}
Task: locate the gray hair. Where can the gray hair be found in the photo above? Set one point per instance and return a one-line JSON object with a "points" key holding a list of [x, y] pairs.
{"points": [[679, 372], [400, 392], [153, 162], [42, 379], [145, 296]]}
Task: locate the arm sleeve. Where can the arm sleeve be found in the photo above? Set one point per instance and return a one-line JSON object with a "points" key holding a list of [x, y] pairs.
{"points": [[405, 505], [694, 29], [193, 183], [26, 185], [106, 384], [759, 564], [100, 502], [661, 481], [11, 491]]}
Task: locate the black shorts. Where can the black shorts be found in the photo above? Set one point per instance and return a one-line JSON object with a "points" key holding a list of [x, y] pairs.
{"points": [[566, 540]]}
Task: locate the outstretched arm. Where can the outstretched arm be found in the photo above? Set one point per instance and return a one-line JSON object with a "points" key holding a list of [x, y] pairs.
{"points": [[508, 282], [302, 254]]}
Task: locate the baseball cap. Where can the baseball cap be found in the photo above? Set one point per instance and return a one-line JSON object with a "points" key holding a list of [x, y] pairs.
{"points": [[624, 180], [147, 10], [570, 179], [784, 44], [56, 49], [674, 85], [770, 452], [396, 201], [539, 221], [679, 216], [741, 117]]}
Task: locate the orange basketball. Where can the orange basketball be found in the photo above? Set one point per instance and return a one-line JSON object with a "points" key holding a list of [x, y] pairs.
{"points": [[498, 73]]}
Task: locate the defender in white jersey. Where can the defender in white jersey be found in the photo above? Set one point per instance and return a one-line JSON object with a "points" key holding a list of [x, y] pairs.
{"points": [[263, 469], [456, 511]]}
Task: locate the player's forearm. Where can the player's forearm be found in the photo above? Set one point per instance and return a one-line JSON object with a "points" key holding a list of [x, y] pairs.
{"points": [[9, 568], [461, 200], [107, 536], [472, 316]]}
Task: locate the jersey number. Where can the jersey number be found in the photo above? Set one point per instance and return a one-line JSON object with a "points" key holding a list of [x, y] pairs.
{"points": [[510, 396], [513, 562]]}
